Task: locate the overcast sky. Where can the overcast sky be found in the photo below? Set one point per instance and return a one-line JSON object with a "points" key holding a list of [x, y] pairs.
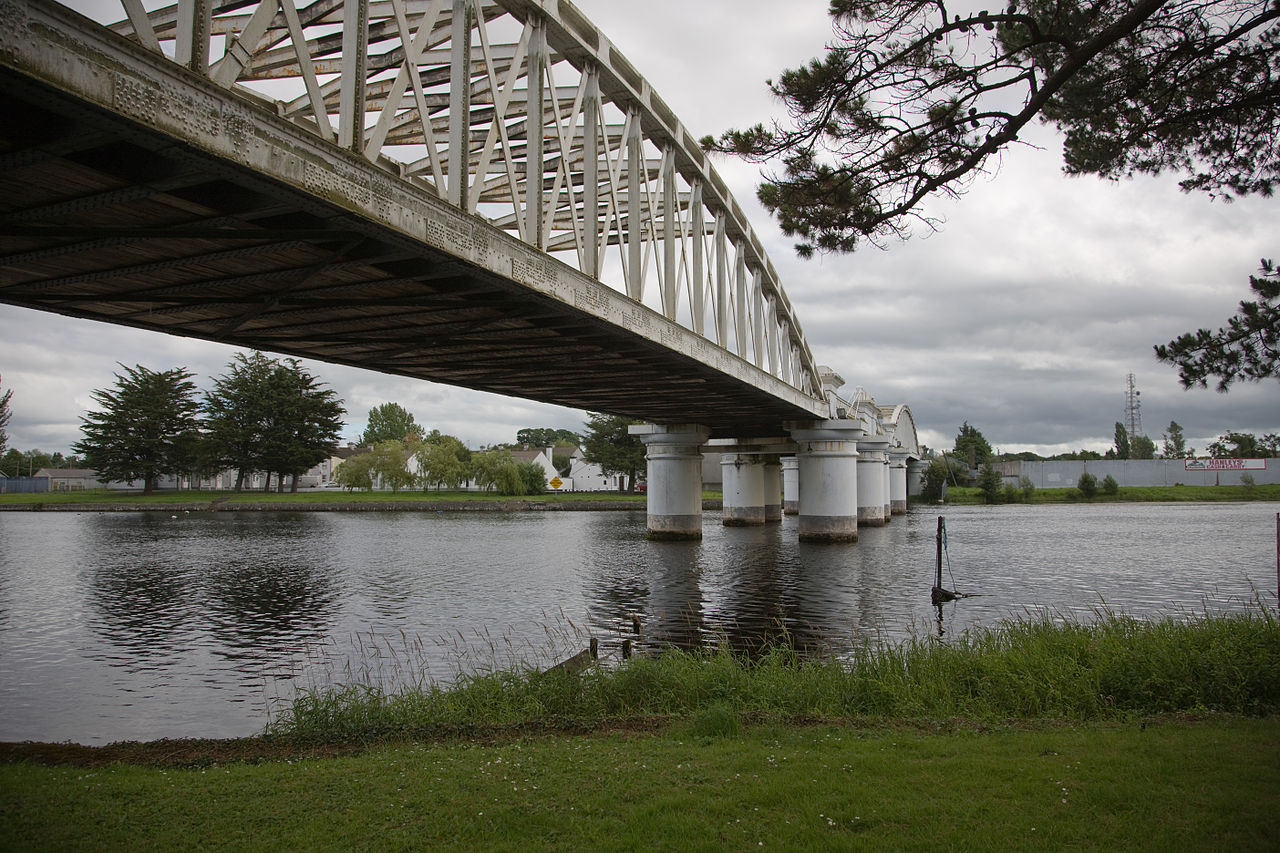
{"points": [[1022, 315]]}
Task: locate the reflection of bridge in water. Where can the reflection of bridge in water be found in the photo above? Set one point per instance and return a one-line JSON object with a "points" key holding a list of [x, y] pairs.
{"points": [[474, 192]]}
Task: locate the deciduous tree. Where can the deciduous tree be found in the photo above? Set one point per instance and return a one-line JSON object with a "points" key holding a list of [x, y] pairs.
{"points": [[391, 465], [389, 422], [1141, 447], [442, 461], [909, 102], [140, 424]]}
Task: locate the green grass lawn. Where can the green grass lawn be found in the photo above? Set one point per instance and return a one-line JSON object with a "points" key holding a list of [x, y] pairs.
{"points": [[1187, 785]]}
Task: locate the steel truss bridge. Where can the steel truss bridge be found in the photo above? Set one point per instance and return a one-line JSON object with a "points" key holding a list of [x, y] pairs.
{"points": [[477, 192]]}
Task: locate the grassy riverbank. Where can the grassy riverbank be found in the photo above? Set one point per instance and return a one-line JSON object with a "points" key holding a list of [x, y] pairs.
{"points": [[961, 495], [1119, 735], [318, 499]]}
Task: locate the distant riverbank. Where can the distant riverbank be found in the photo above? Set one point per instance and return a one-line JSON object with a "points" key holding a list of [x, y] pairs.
{"points": [[964, 495], [110, 500], [317, 500]]}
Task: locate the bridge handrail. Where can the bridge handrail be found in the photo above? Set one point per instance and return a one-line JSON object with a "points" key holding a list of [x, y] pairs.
{"points": [[733, 279]]}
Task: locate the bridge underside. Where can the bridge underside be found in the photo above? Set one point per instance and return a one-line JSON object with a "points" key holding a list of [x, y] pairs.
{"points": [[105, 219]]}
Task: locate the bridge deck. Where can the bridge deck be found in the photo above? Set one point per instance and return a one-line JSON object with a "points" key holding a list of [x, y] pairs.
{"points": [[109, 218]]}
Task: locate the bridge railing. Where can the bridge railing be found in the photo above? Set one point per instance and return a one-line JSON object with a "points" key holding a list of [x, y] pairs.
{"points": [[520, 111]]}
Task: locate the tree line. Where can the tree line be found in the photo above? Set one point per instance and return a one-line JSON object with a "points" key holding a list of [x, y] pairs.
{"points": [[397, 453], [263, 415], [972, 453]]}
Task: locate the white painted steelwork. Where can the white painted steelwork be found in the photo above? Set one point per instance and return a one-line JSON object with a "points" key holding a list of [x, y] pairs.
{"points": [[521, 112]]}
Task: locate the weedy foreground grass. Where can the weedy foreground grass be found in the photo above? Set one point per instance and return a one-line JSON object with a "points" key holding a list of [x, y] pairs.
{"points": [[1041, 669]]}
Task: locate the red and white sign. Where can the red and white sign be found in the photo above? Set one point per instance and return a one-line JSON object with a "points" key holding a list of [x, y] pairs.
{"points": [[1226, 465]]}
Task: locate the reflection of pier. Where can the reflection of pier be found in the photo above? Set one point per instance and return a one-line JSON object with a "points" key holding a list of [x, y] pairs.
{"points": [[754, 587]]}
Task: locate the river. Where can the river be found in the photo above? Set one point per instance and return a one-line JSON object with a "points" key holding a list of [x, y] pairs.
{"points": [[137, 626]]}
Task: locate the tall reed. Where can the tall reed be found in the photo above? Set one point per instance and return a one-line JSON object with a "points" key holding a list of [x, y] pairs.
{"points": [[1037, 668]]}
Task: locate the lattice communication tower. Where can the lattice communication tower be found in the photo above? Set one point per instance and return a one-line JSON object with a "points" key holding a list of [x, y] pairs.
{"points": [[1133, 409]]}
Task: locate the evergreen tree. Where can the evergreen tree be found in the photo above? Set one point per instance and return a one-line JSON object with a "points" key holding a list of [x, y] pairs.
{"points": [[389, 422], [607, 443], [971, 437], [990, 483], [237, 410], [140, 425], [1247, 348], [1121, 449], [1175, 443], [1245, 445], [271, 416], [304, 424], [908, 104]]}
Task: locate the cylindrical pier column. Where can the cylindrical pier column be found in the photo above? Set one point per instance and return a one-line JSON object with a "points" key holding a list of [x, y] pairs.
{"points": [[828, 475], [772, 490], [743, 478], [873, 491], [915, 477], [898, 482], [790, 485], [674, 457]]}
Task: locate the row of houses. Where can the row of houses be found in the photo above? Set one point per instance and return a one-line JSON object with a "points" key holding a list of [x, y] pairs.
{"points": [[583, 476]]}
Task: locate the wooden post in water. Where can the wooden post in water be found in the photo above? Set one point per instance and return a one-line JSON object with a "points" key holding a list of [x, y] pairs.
{"points": [[938, 595], [937, 580]]}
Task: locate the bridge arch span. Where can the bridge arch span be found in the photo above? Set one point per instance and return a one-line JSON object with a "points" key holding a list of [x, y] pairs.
{"points": [[519, 111]]}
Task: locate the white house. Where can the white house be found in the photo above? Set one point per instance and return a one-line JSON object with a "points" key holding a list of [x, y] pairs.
{"points": [[586, 476], [542, 458]]}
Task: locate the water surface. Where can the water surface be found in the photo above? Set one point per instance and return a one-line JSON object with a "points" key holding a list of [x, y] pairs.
{"points": [[117, 626]]}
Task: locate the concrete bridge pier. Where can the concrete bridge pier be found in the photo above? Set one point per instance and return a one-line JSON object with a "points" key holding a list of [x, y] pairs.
{"points": [[873, 485], [674, 463], [743, 478], [898, 481], [827, 462], [790, 485], [772, 490], [915, 476]]}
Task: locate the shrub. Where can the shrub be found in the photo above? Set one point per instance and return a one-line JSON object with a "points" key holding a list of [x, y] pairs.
{"points": [[1027, 487], [1088, 485], [1109, 485], [989, 481], [1011, 493], [1247, 481], [533, 478], [935, 477]]}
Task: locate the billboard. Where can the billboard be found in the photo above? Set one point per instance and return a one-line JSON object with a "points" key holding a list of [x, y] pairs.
{"points": [[1225, 464]]}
